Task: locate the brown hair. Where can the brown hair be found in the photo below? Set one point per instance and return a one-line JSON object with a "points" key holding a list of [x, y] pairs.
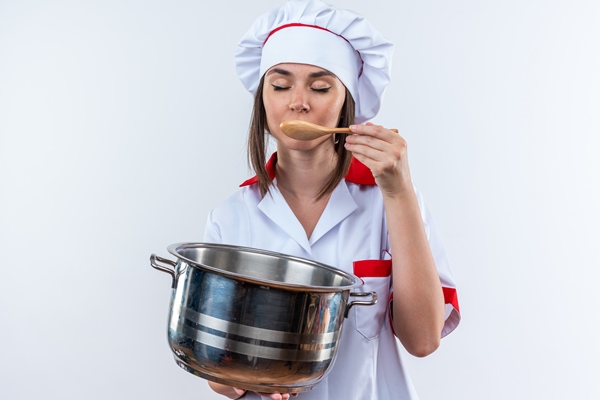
{"points": [[258, 139]]}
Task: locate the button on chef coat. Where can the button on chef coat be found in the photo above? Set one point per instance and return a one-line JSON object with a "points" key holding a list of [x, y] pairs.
{"points": [[352, 230]]}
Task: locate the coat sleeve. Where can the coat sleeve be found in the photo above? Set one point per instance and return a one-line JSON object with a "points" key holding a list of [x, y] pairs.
{"points": [[443, 267], [212, 232]]}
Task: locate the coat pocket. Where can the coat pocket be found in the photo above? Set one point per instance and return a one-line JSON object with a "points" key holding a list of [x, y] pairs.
{"points": [[376, 276]]}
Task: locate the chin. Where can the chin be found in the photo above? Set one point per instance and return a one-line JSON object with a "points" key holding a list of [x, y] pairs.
{"points": [[294, 144]]}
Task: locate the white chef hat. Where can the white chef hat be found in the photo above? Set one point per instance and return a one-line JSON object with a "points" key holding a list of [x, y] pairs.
{"points": [[312, 32]]}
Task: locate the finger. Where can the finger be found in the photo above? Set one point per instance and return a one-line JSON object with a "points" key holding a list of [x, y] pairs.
{"points": [[276, 396], [367, 129], [372, 131], [360, 141], [394, 146], [373, 152]]}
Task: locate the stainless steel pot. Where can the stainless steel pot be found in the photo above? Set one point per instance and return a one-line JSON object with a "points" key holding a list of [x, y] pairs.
{"points": [[254, 319]]}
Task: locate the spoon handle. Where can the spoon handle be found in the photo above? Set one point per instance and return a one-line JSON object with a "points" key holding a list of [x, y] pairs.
{"points": [[347, 130], [340, 130]]}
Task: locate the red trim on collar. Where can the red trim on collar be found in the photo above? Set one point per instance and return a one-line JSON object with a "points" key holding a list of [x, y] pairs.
{"points": [[270, 170], [358, 173]]}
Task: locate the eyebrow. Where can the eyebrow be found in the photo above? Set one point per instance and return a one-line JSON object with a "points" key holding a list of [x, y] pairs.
{"points": [[320, 74], [285, 72], [279, 71]]}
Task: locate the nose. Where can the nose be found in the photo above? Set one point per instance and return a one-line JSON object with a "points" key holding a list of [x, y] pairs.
{"points": [[299, 101]]}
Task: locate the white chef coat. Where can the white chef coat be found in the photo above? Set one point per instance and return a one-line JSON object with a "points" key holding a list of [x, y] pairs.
{"points": [[350, 235]]}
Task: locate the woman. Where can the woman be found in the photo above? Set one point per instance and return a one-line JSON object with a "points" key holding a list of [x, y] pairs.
{"points": [[346, 201]]}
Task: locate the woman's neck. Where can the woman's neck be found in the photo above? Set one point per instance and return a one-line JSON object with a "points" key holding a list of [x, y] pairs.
{"points": [[304, 174]]}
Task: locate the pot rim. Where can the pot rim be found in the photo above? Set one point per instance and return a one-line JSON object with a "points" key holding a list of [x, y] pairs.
{"points": [[355, 280]]}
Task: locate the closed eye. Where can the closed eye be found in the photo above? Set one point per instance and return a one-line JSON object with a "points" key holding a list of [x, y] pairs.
{"points": [[277, 88], [321, 90]]}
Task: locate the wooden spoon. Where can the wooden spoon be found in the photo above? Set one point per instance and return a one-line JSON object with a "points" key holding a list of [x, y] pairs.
{"points": [[303, 130]]}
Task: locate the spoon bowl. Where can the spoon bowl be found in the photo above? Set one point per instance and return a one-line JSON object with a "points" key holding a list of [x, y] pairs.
{"points": [[303, 130]]}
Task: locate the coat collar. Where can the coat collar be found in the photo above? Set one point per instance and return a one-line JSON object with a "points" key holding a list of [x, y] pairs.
{"points": [[358, 173], [340, 205]]}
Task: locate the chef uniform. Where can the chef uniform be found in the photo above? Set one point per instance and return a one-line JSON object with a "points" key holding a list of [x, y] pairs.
{"points": [[351, 234]]}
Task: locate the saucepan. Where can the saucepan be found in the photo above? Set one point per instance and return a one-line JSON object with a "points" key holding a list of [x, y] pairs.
{"points": [[255, 319]]}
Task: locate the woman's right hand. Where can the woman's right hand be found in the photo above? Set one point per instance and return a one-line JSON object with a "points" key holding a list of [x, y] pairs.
{"points": [[278, 396], [235, 393]]}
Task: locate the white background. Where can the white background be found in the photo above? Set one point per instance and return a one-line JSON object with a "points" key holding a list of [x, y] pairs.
{"points": [[122, 124]]}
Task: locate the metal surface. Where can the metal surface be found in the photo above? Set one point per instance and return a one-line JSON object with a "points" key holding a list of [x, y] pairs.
{"points": [[255, 320], [154, 261], [264, 267], [370, 302]]}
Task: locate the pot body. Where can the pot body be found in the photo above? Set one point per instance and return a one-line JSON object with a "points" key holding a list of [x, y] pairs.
{"points": [[256, 320]]}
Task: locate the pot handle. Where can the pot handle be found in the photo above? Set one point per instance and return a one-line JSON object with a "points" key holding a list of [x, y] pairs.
{"points": [[154, 259], [361, 302]]}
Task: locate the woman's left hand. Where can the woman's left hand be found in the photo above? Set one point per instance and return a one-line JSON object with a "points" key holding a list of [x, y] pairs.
{"points": [[418, 307], [384, 152]]}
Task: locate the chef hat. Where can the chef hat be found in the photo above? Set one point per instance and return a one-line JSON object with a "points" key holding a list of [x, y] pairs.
{"points": [[312, 32]]}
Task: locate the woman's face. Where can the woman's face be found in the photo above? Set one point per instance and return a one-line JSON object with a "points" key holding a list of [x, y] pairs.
{"points": [[304, 92]]}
